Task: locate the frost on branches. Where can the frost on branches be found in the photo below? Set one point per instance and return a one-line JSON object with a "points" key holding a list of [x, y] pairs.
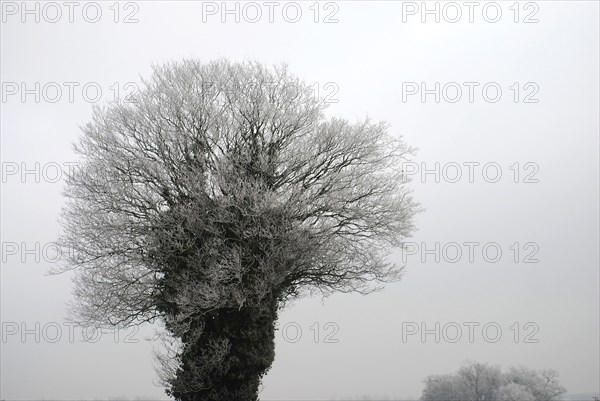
{"points": [[220, 193]]}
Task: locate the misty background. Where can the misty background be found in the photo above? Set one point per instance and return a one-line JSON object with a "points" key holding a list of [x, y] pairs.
{"points": [[365, 58]]}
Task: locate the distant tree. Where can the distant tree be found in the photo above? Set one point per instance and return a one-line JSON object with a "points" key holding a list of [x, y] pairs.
{"points": [[481, 382], [221, 192], [442, 387], [543, 385], [514, 392]]}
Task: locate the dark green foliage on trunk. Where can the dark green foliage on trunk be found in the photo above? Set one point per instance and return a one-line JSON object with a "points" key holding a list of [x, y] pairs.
{"points": [[250, 335]]}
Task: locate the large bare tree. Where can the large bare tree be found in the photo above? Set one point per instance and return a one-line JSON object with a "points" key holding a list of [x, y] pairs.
{"points": [[220, 193]]}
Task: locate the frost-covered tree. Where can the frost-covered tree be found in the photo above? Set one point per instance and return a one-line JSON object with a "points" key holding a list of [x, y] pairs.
{"points": [[221, 192], [442, 387], [543, 385], [473, 382], [481, 382], [514, 392]]}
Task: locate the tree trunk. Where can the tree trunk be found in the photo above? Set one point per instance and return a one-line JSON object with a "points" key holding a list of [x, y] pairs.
{"points": [[214, 371]]}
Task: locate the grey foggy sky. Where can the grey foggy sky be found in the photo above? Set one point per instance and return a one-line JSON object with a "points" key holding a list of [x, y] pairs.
{"points": [[368, 54]]}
